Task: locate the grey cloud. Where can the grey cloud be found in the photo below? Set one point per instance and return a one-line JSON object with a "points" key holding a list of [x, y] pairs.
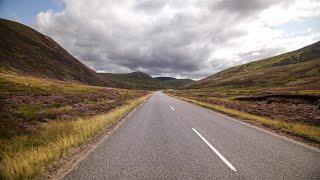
{"points": [[247, 8], [150, 6], [244, 6], [158, 37]]}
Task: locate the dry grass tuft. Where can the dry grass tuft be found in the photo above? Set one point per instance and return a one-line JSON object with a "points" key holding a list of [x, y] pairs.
{"points": [[25, 156], [299, 129]]}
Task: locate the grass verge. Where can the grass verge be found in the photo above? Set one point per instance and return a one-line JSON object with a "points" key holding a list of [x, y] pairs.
{"points": [[306, 131], [26, 156]]}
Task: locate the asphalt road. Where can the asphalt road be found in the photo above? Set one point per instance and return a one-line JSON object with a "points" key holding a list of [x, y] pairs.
{"points": [[167, 138]]}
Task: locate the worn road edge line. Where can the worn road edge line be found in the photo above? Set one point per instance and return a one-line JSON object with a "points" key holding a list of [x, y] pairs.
{"points": [[103, 138], [172, 108], [238, 120], [215, 151]]}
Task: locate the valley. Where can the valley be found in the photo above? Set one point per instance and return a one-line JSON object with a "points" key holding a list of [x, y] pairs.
{"points": [[52, 105]]}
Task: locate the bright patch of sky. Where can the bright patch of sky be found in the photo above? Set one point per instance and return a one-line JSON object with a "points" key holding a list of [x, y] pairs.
{"points": [[302, 26], [25, 11]]}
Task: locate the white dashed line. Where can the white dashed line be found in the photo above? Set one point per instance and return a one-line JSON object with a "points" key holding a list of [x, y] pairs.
{"points": [[172, 108], [215, 151]]}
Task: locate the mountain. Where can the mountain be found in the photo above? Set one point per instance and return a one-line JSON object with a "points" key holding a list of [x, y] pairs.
{"points": [[164, 78], [140, 80], [28, 52], [299, 69], [134, 80], [174, 83], [25, 51]]}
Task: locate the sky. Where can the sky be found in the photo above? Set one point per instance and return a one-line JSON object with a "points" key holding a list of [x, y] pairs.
{"points": [[178, 38]]}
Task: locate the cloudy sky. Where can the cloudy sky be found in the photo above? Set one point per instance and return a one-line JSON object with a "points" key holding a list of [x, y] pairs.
{"points": [[179, 38]]}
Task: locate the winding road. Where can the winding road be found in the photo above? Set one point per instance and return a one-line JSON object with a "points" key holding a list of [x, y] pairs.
{"points": [[167, 138]]}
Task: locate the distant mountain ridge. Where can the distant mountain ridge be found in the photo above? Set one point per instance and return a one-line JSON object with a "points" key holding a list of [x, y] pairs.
{"points": [[140, 80], [296, 69], [134, 80], [164, 78], [174, 83], [25, 51]]}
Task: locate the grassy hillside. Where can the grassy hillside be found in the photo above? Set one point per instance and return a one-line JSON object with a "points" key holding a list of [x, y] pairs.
{"points": [[134, 80], [27, 101], [42, 118], [49, 102], [174, 83], [140, 80], [299, 69], [26, 51], [164, 78]]}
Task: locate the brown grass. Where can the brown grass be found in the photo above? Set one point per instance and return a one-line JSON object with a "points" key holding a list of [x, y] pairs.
{"points": [[298, 129], [25, 156]]}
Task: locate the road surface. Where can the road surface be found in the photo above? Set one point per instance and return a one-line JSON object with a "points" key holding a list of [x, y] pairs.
{"points": [[167, 138]]}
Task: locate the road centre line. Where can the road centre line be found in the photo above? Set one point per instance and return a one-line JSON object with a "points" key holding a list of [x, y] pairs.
{"points": [[215, 151]]}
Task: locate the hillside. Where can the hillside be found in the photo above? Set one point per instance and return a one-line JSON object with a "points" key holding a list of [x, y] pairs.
{"points": [[42, 117], [298, 69], [134, 80], [174, 83], [140, 80], [50, 102], [274, 92], [281, 93], [28, 52], [164, 78]]}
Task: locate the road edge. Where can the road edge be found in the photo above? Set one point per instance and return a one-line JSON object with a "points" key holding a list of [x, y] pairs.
{"points": [[66, 164], [282, 135]]}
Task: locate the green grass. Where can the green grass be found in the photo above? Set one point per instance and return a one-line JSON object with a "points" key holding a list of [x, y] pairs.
{"points": [[298, 129], [309, 92], [26, 156], [11, 82], [29, 111], [56, 105]]}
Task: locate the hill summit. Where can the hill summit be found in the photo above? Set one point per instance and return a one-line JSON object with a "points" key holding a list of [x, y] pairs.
{"points": [[298, 69], [26, 51]]}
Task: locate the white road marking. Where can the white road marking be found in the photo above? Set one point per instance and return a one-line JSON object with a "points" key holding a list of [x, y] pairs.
{"points": [[172, 108], [215, 151]]}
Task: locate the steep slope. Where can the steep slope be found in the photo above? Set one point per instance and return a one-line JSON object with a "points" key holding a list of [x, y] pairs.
{"points": [[134, 80], [174, 83], [26, 51], [298, 69]]}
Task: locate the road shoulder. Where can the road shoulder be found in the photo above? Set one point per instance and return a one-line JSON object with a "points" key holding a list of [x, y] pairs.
{"points": [[257, 125], [58, 169]]}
